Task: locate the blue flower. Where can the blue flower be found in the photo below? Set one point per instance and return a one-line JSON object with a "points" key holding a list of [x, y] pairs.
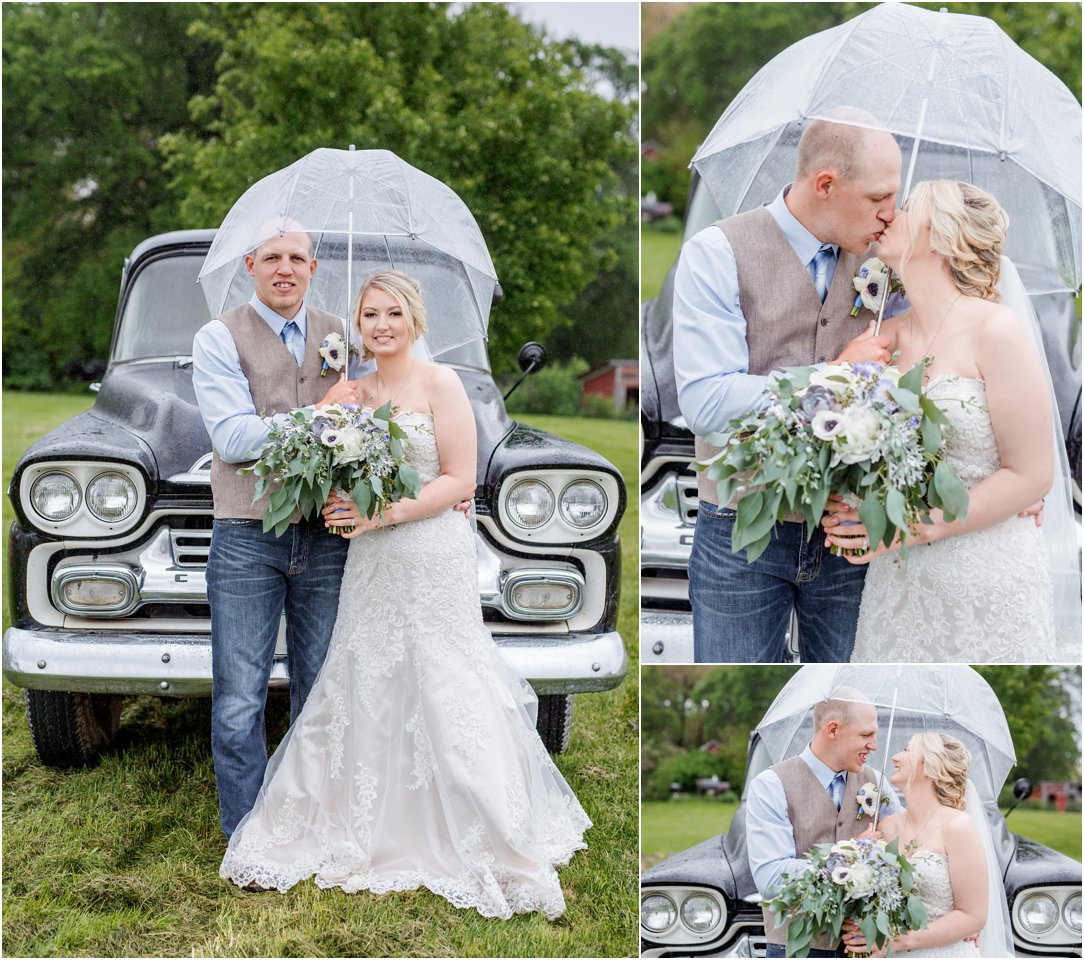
{"points": [[866, 368]]}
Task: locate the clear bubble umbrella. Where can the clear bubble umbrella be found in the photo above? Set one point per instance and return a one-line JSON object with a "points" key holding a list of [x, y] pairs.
{"points": [[366, 210], [963, 101], [951, 699]]}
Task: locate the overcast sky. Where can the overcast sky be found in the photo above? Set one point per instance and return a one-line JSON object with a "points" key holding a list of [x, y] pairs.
{"points": [[611, 24]]}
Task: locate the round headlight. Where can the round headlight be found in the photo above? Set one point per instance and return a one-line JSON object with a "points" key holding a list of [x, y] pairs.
{"points": [[530, 504], [1038, 913], [1071, 913], [56, 496], [700, 912], [583, 503], [111, 497], [657, 912]]}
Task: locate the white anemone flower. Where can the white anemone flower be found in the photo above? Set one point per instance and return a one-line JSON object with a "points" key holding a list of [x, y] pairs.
{"points": [[829, 424]]}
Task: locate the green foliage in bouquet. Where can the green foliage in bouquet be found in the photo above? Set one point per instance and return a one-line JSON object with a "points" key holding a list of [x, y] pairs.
{"points": [[348, 448], [859, 429], [864, 880]]}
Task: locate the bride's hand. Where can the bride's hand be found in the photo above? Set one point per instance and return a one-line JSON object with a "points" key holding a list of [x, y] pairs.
{"points": [[843, 528]]}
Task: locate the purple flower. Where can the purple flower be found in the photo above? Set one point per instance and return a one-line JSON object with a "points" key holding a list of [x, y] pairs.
{"points": [[816, 399], [866, 368], [913, 422]]}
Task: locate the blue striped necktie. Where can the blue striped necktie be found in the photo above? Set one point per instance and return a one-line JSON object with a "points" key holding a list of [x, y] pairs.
{"points": [[291, 336], [818, 268], [835, 788]]}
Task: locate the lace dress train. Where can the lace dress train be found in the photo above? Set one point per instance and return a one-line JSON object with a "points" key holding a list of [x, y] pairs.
{"points": [[984, 597], [415, 761]]}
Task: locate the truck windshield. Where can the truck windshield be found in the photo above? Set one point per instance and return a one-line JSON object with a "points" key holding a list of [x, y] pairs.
{"points": [[165, 307]]}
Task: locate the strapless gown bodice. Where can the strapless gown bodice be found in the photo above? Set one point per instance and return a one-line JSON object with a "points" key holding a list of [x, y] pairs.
{"points": [[983, 597]]}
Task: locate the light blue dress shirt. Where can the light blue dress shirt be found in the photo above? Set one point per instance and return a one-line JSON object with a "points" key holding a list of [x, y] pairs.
{"points": [[711, 355], [225, 401], [769, 836]]}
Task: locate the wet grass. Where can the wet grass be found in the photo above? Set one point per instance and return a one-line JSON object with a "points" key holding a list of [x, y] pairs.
{"points": [[122, 859]]}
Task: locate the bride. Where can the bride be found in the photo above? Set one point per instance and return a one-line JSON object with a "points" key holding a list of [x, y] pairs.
{"points": [[980, 590], [944, 833], [415, 761]]}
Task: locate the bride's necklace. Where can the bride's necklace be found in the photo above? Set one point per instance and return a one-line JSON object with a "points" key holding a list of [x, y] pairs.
{"points": [[380, 382], [911, 332], [915, 835]]}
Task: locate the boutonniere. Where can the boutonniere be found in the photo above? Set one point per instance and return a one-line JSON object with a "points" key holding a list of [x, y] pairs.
{"points": [[333, 350], [872, 284], [869, 799]]}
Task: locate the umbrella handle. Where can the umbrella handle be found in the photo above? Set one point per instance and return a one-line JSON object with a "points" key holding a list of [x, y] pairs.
{"points": [[888, 740]]}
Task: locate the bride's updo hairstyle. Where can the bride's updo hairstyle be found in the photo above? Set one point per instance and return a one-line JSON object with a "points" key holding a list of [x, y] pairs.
{"points": [[967, 227], [406, 290], [946, 762]]}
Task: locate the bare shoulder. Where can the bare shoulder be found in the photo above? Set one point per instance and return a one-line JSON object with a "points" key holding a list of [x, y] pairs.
{"points": [[957, 827], [996, 324]]}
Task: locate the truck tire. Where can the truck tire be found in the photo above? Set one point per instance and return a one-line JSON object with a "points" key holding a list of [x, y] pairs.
{"points": [[555, 720], [71, 729]]}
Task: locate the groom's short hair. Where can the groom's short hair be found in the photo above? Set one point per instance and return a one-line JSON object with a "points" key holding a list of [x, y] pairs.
{"points": [[838, 705], [837, 142]]}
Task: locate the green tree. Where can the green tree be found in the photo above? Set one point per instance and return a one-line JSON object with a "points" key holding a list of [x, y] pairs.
{"points": [[1039, 709], [471, 95], [89, 89], [685, 769]]}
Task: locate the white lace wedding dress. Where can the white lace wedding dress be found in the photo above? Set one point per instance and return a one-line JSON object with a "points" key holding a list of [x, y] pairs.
{"points": [[415, 761], [934, 888], [984, 597]]}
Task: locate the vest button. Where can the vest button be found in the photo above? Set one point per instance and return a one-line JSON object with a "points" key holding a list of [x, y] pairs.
{"points": [[821, 359], [824, 321]]}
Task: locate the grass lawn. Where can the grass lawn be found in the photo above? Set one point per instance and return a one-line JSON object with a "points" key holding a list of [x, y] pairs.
{"points": [[670, 826], [658, 251], [122, 859]]}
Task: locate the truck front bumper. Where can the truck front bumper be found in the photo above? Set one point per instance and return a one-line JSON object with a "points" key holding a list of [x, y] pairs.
{"points": [[179, 665]]}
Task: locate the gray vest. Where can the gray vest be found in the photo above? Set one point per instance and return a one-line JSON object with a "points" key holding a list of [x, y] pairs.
{"points": [[277, 385], [786, 323], [814, 819]]}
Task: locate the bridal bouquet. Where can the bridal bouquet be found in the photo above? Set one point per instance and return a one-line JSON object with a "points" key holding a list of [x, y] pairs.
{"points": [[344, 447], [864, 880], [861, 429]]}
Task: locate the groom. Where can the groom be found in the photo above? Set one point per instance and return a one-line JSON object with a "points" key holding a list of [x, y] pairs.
{"points": [[756, 292], [256, 360], [811, 798]]}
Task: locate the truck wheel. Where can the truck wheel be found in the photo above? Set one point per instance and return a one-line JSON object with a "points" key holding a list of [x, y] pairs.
{"points": [[71, 729], [555, 720]]}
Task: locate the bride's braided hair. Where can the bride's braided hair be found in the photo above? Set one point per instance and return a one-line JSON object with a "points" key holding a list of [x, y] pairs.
{"points": [[968, 228], [946, 762], [406, 290]]}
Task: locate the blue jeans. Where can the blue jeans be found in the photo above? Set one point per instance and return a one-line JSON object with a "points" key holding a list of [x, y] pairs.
{"points": [[780, 950], [741, 610], [251, 577]]}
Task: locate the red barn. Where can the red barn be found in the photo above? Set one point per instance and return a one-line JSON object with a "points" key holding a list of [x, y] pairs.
{"points": [[617, 380]]}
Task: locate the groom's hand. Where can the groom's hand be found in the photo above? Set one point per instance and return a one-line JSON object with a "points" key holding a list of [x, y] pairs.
{"points": [[1036, 511], [866, 346], [463, 507]]}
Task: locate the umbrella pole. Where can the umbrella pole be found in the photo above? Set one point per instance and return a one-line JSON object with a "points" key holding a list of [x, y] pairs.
{"points": [[910, 174], [349, 271], [884, 759]]}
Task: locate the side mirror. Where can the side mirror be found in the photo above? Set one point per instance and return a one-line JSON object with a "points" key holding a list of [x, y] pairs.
{"points": [[532, 358], [1021, 790]]}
